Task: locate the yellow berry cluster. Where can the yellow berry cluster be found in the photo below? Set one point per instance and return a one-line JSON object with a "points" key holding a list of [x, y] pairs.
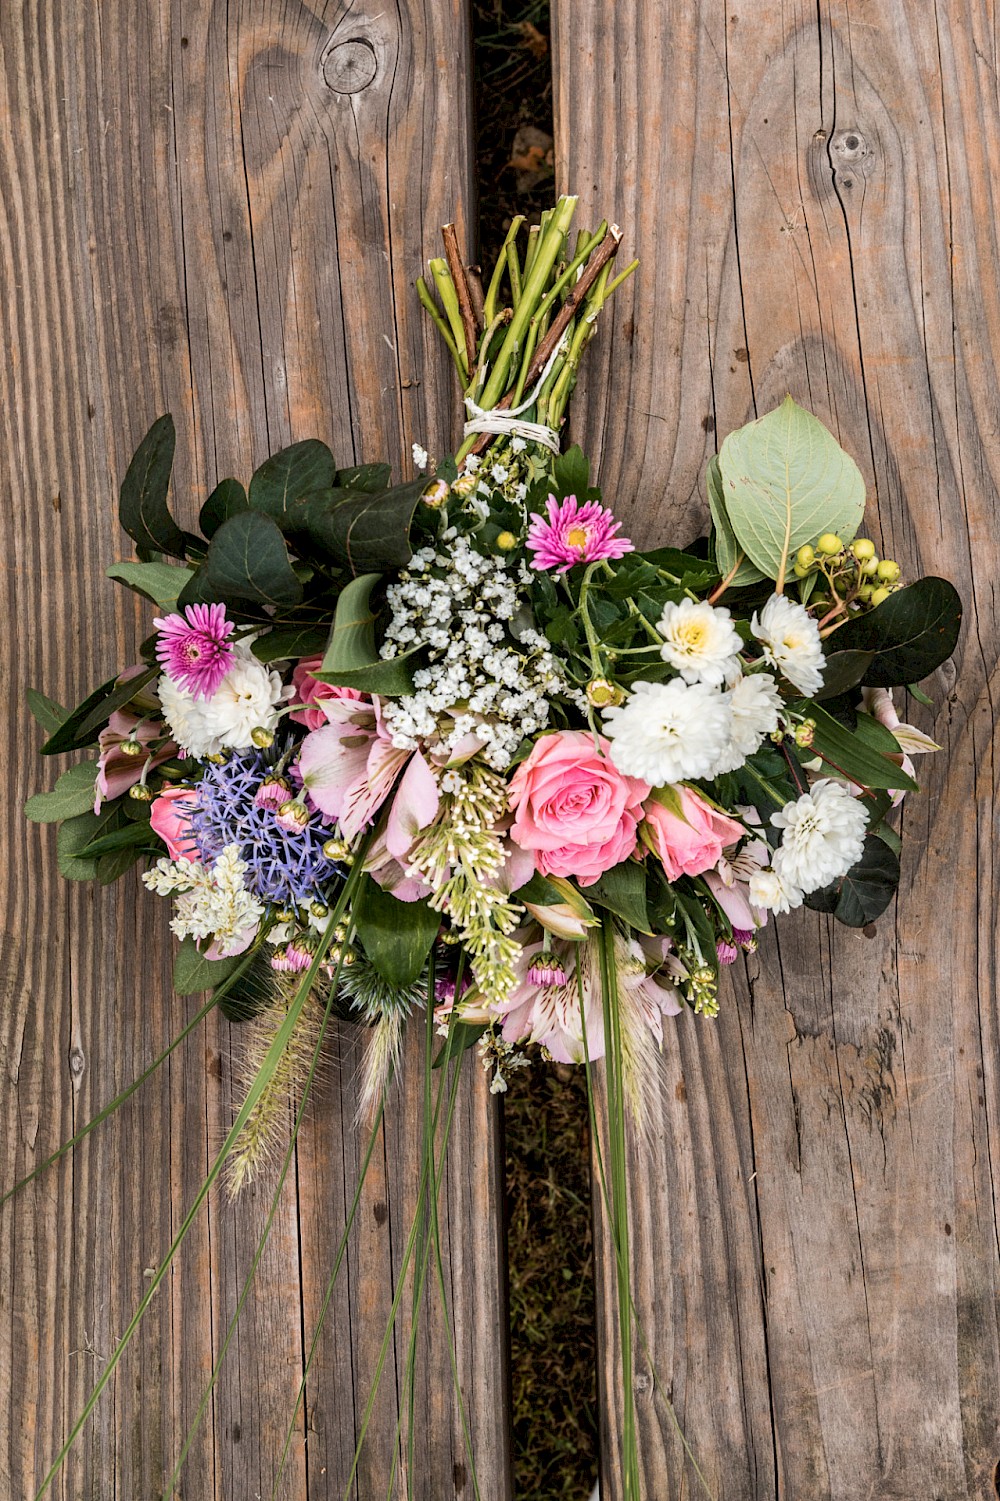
{"points": [[852, 573]]}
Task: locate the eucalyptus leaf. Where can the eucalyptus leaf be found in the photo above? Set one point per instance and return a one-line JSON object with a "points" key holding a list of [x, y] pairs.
{"points": [[248, 560], [861, 896], [909, 634], [142, 506], [287, 476], [286, 643], [73, 794], [134, 835], [396, 943], [730, 557], [369, 532], [786, 481], [369, 478], [160, 582], [351, 659], [45, 711], [193, 972], [112, 866], [227, 499]]}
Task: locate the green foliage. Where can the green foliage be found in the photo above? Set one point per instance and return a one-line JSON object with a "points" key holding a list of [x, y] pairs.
{"points": [[730, 557], [193, 972], [861, 896], [370, 479], [908, 635], [142, 507], [73, 794], [247, 562], [160, 582], [45, 711], [397, 947], [287, 476], [81, 727], [288, 643], [227, 499], [784, 481], [850, 753], [76, 859], [843, 670], [622, 890], [352, 658]]}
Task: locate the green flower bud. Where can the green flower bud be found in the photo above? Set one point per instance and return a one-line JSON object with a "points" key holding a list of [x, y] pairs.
{"points": [[132, 748], [602, 693], [805, 733], [829, 544], [319, 910], [262, 737], [436, 494], [140, 793], [336, 849]]}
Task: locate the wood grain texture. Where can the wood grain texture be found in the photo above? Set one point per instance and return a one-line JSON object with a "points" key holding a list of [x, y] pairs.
{"points": [[215, 209], [812, 190]]}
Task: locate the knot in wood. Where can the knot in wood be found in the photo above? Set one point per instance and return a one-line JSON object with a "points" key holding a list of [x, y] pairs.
{"points": [[848, 147], [349, 66], [77, 1064]]}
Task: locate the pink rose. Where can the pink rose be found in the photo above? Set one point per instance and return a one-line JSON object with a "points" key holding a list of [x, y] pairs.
{"points": [[170, 817], [574, 808], [690, 841], [310, 693]]}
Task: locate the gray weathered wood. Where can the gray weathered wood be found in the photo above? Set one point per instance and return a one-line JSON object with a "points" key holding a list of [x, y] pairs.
{"points": [[217, 210], [812, 191]]}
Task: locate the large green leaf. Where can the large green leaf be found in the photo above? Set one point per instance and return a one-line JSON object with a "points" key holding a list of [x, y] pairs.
{"points": [[371, 478], [291, 642], [227, 499], [45, 710], [370, 532], [910, 634], [160, 582], [142, 506], [248, 560], [285, 477], [73, 794], [622, 890], [193, 972], [77, 862], [786, 481], [352, 659], [861, 896], [850, 754], [396, 936], [729, 555], [843, 670]]}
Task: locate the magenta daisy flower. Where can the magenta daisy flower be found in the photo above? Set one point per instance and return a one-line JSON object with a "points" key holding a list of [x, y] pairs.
{"points": [[574, 533], [195, 653]]}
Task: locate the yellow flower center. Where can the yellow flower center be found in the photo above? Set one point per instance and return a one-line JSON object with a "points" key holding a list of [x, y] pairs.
{"points": [[577, 537], [692, 635]]}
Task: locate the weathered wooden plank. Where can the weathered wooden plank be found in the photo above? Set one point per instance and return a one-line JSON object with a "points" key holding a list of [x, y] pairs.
{"points": [[816, 1258], [219, 210]]}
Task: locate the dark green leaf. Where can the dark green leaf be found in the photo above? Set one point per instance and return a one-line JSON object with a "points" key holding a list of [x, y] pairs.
{"points": [[571, 475], [160, 582], [133, 835], [289, 475], [74, 837], [193, 972], [248, 560], [397, 936], [868, 729], [123, 692], [114, 865], [46, 711], [465, 1036], [911, 633], [142, 507], [73, 794], [369, 532], [861, 896], [622, 891], [843, 670], [369, 478], [847, 753], [227, 499], [352, 658], [540, 891], [290, 642]]}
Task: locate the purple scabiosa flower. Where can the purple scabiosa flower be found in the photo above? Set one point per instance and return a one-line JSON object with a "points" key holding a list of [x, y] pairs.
{"points": [[728, 952], [272, 792], [546, 971], [746, 939], [196, 653], [286, 867], [574, 533]]}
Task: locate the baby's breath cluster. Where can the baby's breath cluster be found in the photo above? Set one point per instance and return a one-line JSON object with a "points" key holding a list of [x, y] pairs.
{"points": [[490, 672]]}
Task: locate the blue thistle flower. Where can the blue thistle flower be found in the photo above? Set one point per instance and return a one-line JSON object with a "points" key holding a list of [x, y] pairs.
{"points": [[284, 866]]}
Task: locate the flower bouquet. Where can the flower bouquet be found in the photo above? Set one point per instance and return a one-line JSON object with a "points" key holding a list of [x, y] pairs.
{"points": [[456, 748]]}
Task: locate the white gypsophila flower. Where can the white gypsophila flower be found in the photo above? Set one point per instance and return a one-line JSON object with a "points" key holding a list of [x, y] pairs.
{"points": [[791, 641], [211, 901], [772, 892], [668, 732], [824, 835], [420, 456], [756, 704], [245, 700], [699, 642]]}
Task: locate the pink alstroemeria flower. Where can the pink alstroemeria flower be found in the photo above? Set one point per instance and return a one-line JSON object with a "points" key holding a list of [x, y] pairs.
{"points": [[574, 533], [310, 694], [117, 772]]}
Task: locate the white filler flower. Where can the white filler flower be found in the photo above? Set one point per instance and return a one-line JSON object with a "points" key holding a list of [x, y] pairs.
{"points": [[211, 901], [667, 732], [771, 892], [756, 703], [699, 642], [245, 700], [791, 642], [824, 835]]}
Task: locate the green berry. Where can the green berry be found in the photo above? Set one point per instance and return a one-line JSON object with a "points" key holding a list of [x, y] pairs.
{"points": [[888, 571], [801, 572], [865, 592], [863, 549], [878, 595], [870, 567], [805, 558], [829, 544]]}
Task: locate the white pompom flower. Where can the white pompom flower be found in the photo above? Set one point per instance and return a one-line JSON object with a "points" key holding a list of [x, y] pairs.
{"points": [[791, 641], [669, 732], [700, 643], [824, 835], [772, 892], [247, 699], [756, 704]]}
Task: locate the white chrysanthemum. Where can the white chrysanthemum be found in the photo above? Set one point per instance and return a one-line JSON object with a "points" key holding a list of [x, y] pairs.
{"points": [[668, 732], [699, 642], [772, 892], [824, 835], [756, 703], [211, 901], [245, 700], [791, 642]]}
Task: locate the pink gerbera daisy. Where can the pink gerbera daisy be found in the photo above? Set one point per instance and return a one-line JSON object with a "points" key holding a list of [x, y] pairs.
{"points": [[574, 533], [195, 653]]}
